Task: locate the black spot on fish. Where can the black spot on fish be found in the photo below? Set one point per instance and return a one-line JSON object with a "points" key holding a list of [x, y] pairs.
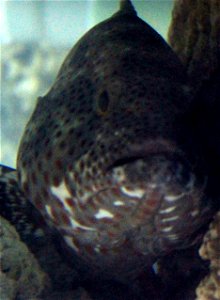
{"points": [[103, 102]]}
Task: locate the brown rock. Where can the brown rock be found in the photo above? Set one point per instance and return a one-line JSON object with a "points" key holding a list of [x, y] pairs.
{"points": [[209, 287], [194, 35], [20, 275]]}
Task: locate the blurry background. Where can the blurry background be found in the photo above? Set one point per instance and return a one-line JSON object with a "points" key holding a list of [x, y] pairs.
{"points": [[35, 37]]}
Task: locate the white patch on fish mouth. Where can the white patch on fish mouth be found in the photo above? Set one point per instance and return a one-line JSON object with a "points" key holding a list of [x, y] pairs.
{"points": [[167, 229], [61, 192], [172, 237], [23, 176], [194, 213], [167, 210], [97, 248], [102, 213], [172, 198], [118, 203], [138, 193], [174, 218], [152, 185], [49, 211], [76, 224], [70, 242]]}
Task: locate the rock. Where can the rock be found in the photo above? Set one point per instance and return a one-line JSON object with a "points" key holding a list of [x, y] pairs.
{"points": [[194, 35], [20, 274], [7, 287], [189, 269], [209, 287]]}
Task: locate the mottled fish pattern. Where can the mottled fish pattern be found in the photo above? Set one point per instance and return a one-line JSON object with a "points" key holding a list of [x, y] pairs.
{"points": [[16, 208], [107, 156]]}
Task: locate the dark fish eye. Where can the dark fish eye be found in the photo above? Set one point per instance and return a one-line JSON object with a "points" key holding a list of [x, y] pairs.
{"points": [[103, 102]]}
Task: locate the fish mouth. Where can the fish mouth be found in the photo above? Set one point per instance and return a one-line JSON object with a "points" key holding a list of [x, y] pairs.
{"points": [[156, 163], [153, 179], [148, 149]]}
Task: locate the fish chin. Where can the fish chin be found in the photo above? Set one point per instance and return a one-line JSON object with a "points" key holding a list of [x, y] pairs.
{"points": [[165, 169], [154, 179], [154, 193]]}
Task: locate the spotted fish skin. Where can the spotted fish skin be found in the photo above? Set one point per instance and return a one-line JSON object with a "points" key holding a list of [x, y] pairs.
{"points": [[17, 209], [107, 157]]}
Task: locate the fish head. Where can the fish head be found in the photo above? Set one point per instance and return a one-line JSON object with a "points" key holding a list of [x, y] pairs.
{"points": [[107, 156]]}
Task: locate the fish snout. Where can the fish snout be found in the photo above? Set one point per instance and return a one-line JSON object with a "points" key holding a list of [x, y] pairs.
{"points": [[168, 173], [166, 198]]}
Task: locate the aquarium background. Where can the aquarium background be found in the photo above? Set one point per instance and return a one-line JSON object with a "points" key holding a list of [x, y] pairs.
{"points": [[35, 38]]}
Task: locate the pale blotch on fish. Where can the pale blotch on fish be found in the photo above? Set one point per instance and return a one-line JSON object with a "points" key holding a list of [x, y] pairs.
{"points": [[70, 242], [97, 248], [103, 213], [173, 198], [49, 211], [61, 192], [23, 176], [194, 213], [172, 236], [167, 229], [76, 224], [174, 218], [137, 193], [119, 203], [152, 186], [167, 210]]}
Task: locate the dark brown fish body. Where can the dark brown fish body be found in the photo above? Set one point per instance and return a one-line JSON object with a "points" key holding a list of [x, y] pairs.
{"points": [[18, 210], [106, 156]]}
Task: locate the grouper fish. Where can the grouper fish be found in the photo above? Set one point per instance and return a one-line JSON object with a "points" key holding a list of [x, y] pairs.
{"points": [[107, 156]]}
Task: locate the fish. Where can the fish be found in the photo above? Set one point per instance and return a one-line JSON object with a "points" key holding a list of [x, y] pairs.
{"points": [[16, 208], [108, 158]]}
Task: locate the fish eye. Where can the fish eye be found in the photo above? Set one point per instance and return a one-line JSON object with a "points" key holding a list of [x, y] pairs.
{"points": [[103, 102]]}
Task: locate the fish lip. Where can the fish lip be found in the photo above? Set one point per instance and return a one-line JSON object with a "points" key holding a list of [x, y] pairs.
{"points": [[156, 146], [168, 151], [150, 148]]}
